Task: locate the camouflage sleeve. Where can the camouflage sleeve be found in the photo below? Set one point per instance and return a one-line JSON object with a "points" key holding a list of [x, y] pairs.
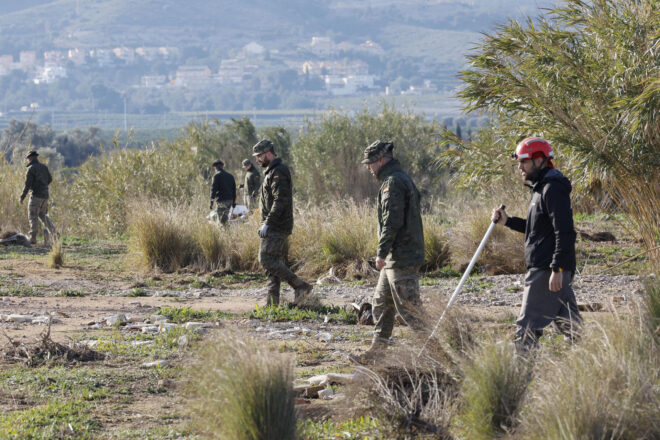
{"points": [[282, 197], [29, 182], [393, 202]]}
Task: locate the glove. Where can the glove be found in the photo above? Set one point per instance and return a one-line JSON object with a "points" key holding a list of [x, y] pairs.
{"points": [[22, 198], [263, 231], [211, 205]]}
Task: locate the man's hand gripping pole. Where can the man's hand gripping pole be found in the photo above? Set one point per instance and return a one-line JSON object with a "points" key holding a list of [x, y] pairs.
{"points": [[463, 278]]}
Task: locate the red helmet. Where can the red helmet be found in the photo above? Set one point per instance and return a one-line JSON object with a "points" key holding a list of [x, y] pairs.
{"points": [[533, 147]]}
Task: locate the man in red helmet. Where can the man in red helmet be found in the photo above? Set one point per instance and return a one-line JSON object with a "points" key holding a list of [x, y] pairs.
{"points": [[549, 246]]}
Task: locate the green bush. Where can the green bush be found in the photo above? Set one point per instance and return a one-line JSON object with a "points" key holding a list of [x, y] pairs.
{"points": [[99, 195], [243, 391], [494, 385], [328, 152]]}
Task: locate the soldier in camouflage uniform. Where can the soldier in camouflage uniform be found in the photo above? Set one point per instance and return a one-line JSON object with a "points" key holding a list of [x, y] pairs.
{"points": [[251, 185], [37, 179], [400, 249], [277, 224], [223, 192]]}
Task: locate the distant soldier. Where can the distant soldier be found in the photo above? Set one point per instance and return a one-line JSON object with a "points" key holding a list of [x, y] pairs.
{"points": [[223, 191], [277, 224], [400, 249], [37, 179], [251, 185], [549, 246]]}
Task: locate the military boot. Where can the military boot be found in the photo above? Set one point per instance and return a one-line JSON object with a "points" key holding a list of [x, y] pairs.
{"points": [[273, 299], [301, 292], [372, 355]]}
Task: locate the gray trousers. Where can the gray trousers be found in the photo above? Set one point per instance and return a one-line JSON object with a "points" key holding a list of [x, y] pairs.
{"points": [[541, 307], [273, 255], [38, 210], [397, 291]]}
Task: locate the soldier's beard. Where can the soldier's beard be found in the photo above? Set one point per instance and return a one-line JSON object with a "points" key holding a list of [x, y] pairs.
{"points": [[264, 162]]}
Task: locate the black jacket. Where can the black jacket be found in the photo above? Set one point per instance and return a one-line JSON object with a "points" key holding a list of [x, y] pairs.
{"points": [[549, 230], [37, 179], [223, 187], [277, 198]]}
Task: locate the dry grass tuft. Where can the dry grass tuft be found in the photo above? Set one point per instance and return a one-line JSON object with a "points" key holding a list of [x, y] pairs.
{"points": [[494, 385], [504, 250], [243, 391], [56, 255], [604, 387]]}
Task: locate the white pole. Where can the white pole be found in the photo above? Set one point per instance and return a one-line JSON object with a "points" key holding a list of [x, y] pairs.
{"points": [[466, 274]]}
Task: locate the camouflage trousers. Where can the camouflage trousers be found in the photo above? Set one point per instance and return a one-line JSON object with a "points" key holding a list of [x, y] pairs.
{"points": [[273, 256], [38, 210], [251, 203], [222, 208], [397, 291]]}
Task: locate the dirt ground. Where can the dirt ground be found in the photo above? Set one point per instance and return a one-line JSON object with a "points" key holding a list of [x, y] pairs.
{"points": [[98, 281]]}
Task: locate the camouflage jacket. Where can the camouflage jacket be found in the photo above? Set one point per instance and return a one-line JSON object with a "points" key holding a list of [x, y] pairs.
{"points": [[252, 181], [277, 198], [400, 232], [37, 179]]}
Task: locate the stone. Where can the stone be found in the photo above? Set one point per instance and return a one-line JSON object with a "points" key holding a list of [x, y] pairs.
{"points": [[141, 343], [183, 341], [340, 378], [19, 318], [167, 326], [115, 320], [45, 320], [194, 325], [133, 319], [321, 379], [326, 394], [312, 392], [324, 336], [150, 329], [155, 364]]}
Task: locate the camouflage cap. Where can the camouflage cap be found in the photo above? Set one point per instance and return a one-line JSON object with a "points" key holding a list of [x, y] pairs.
{"points": [[377, 150], [32, 153], [246, 162], [262, 147], [219, 163]]}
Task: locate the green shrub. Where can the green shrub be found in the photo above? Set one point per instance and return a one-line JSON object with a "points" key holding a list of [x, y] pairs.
{"points": [[494, 385], [328, 152], [98, 199], [243, 391]]}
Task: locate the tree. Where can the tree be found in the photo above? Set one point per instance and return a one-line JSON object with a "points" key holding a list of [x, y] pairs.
{"points": [[328, 152], [584, 76]]}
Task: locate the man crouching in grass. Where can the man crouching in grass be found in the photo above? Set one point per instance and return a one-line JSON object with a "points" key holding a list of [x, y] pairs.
{"points": [[400, 250]]}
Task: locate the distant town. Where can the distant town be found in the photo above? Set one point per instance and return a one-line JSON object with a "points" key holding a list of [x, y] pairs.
{"points": [[319, 61]]}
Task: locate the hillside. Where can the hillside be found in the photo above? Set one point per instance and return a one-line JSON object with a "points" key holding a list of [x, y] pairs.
{"points": [[44, 24]]}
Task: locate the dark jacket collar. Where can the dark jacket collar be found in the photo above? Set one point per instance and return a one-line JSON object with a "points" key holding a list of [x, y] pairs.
{"points": [[273, 164], [33, 162], [388, 169]]}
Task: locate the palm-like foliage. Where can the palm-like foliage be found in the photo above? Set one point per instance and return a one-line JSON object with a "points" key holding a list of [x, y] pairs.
{"points": [[586, 77]]}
